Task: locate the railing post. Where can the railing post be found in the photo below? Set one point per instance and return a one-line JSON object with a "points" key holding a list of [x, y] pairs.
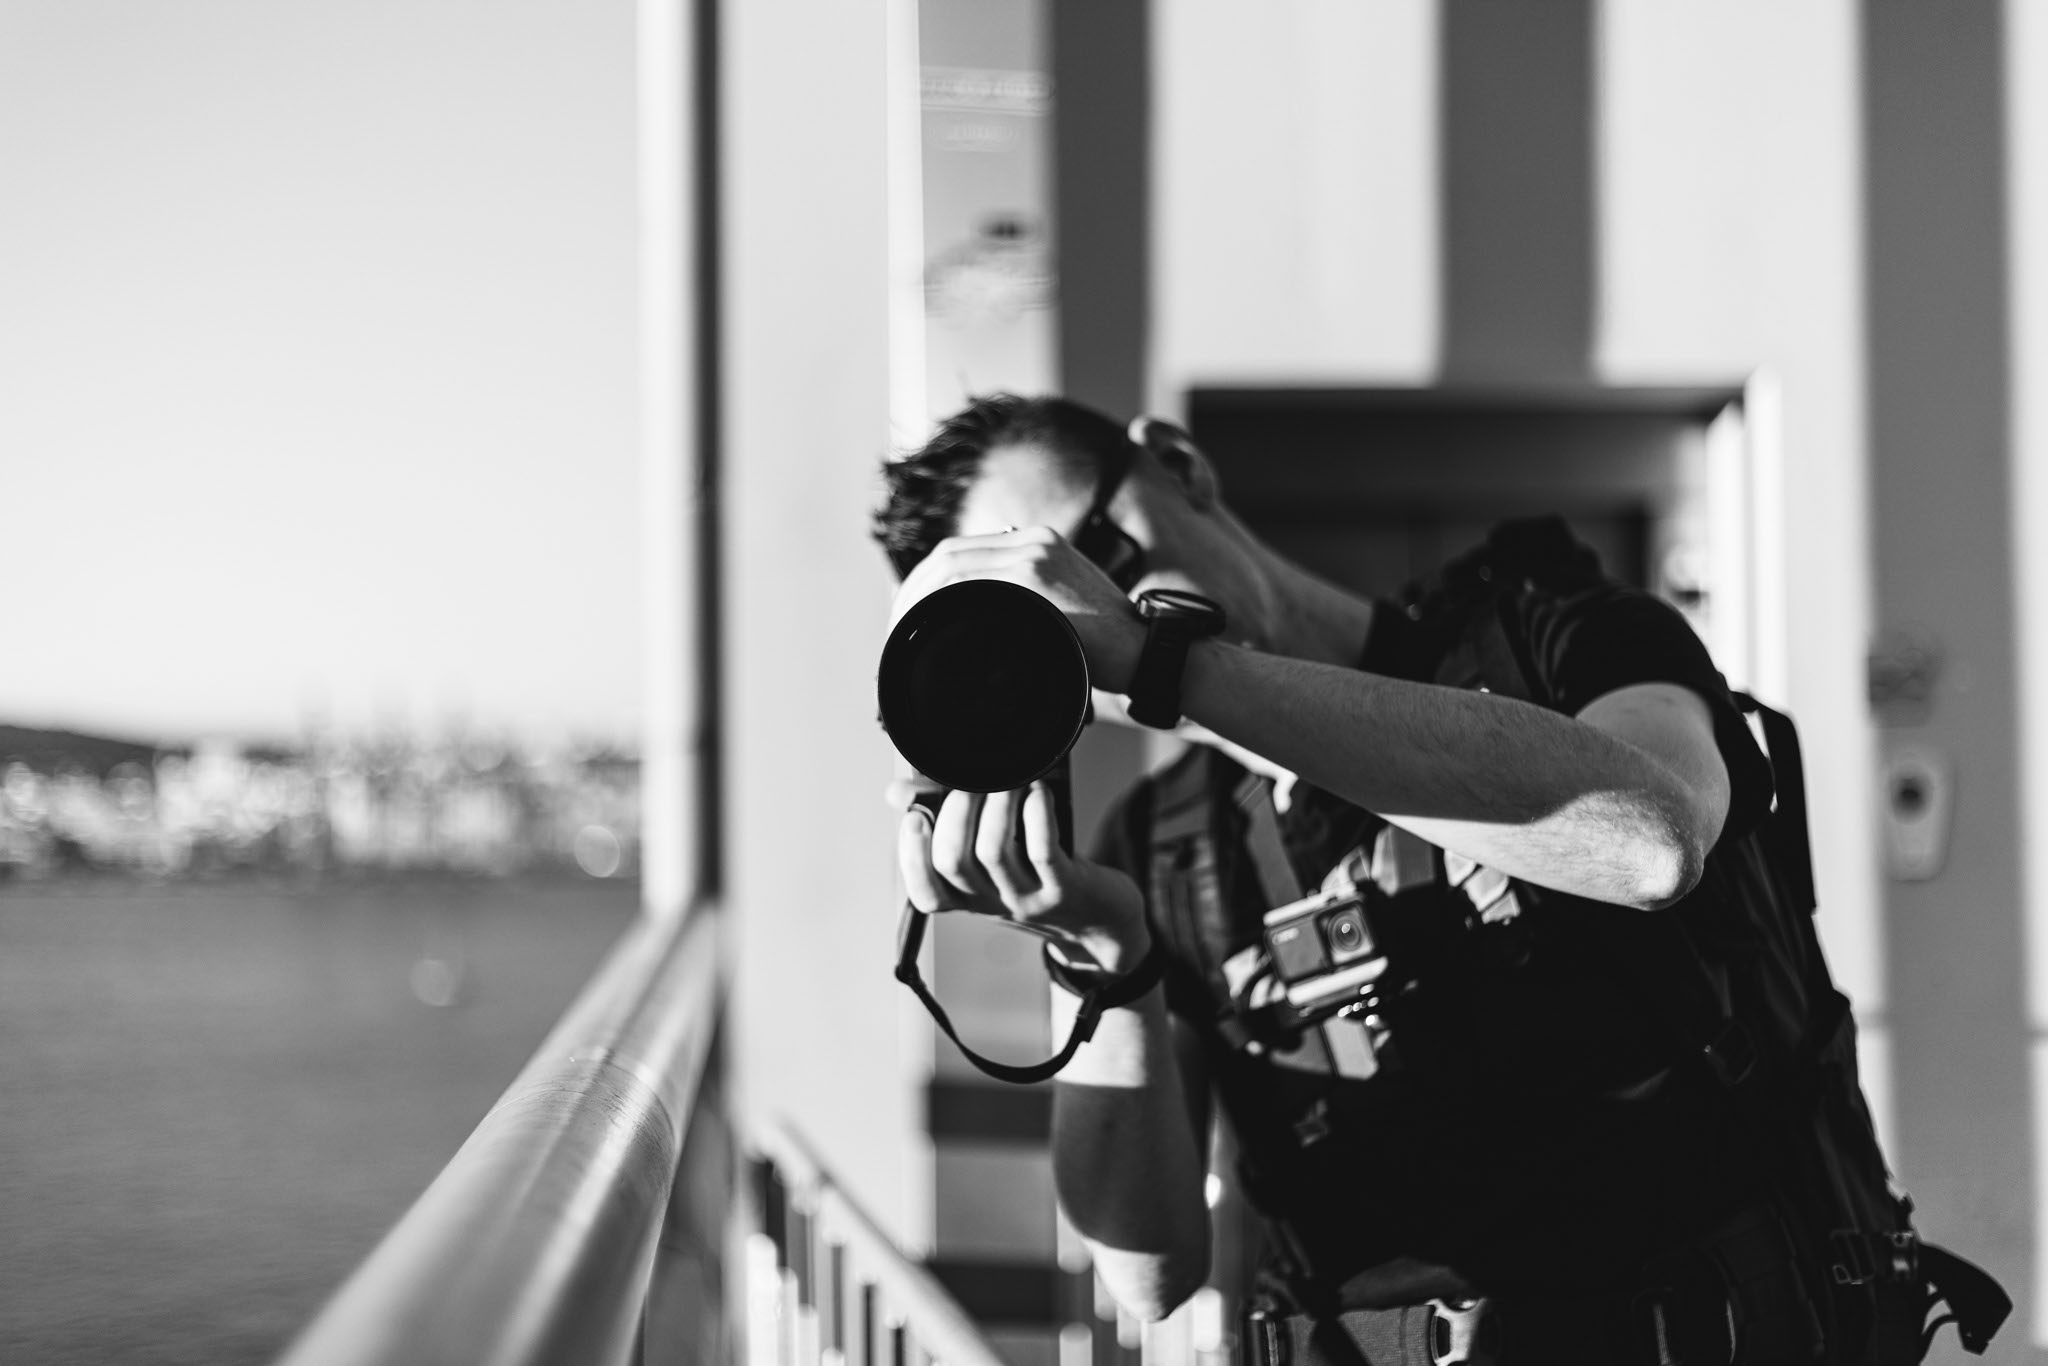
{"points": [[838, 1280], [870, 1317], [835, 1302]]}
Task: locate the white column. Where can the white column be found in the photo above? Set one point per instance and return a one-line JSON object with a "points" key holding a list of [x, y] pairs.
{"points": [[810, 848], [672, 704], [2026, 87], [1730, 241], [1294, 192]]}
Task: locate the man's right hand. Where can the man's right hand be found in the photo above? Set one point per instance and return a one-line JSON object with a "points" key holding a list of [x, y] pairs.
{"points": [[1130, 1124], [998, 854]]}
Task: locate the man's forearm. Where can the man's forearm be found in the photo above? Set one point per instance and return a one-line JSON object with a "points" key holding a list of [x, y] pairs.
{"points": [[1126, 1162], [1530, 792]]}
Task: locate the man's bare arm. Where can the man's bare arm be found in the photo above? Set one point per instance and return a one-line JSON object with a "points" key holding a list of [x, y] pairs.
{"points": [[1130, 1117], [1126, 1156], [1619, 804]]}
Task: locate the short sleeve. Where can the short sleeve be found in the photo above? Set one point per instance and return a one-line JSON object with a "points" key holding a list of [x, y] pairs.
{"points": [[1588, 644]]}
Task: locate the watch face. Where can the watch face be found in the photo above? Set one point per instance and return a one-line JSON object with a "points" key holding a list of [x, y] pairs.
{"points": [[983, 686], [1201, 616]]}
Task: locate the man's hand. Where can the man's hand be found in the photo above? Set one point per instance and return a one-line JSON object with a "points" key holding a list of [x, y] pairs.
{"points": [[998, 854], [1040, 559]]}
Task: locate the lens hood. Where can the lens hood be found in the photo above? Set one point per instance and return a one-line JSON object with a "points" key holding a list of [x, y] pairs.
{"points": [[983, 686]]}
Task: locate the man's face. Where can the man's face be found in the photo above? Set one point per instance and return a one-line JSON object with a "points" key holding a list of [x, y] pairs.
{"points": [[1184, 548]]}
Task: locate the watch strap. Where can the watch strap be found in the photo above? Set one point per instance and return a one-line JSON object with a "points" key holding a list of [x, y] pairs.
{"points": [[1174, 621]]}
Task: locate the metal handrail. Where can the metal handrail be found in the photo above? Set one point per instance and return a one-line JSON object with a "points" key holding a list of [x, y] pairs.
{"points": [[535, 1243], [855, 1248]]}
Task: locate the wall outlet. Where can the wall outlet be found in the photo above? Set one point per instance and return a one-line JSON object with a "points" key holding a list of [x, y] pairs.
{"points": [[1919, 803]]}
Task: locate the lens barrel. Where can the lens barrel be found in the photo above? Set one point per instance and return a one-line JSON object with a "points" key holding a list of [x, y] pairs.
{"points": [[983, 686]]}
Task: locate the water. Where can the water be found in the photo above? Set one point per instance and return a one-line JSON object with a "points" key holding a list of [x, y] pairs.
{"points": [[215, 1099]]}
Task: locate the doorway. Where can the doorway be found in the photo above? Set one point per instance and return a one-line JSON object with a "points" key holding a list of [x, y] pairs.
{"points": [[1376, 488]]}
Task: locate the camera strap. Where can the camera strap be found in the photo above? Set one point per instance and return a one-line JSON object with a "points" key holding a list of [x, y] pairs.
{"points": [[1263, 841], [1116, 991]]}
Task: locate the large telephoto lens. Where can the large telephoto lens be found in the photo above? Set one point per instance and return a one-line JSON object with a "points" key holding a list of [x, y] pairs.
{"points": [[983, 686]]}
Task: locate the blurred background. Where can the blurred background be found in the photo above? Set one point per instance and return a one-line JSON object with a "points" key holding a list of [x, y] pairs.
{"points": [[436, 442]]}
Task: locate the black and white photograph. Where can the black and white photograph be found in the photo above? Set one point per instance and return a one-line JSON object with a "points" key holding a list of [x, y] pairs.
{"points": [[1023, 682]]}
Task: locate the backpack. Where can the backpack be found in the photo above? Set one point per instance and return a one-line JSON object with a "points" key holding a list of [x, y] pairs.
{"points": [[1760, 1013]]}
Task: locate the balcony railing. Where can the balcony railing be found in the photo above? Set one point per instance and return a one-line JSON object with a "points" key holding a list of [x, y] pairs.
{"points": [[592, 1216], [827, 1287]]}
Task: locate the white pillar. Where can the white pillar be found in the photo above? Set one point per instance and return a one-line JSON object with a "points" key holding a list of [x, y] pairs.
{"points": [[672, 706], [822, 1033], [2026, 36]]}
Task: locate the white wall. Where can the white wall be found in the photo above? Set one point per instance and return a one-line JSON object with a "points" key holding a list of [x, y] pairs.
{"points": [[1294, 193], [2027, 238]]}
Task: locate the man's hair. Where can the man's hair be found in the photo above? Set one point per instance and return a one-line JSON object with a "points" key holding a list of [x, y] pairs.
{"points": [[925, 488]]}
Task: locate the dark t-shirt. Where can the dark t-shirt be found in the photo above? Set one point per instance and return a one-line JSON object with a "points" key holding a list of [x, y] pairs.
{"points": [[1529, 1130]]}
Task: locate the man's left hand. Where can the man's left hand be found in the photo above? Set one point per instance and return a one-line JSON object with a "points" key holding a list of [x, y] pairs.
{"points": [[1042, 560]]}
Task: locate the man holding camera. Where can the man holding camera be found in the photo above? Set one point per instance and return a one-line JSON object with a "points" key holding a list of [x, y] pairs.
{"points": [[1471, 1141]]}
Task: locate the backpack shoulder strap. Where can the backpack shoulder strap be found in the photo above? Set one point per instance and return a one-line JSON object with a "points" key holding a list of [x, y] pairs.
{"points": [[1481, 654], [1792, 849], [1185, 872]]}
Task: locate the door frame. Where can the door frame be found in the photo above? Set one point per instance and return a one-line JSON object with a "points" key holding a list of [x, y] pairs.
{"points": [[1741, 478]]}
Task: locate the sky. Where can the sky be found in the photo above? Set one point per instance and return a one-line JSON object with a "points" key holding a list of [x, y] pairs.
{"points": [[317, 348]]}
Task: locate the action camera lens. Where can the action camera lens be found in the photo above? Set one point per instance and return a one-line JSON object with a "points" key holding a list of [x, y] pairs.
{"points": [[1346, 930]]}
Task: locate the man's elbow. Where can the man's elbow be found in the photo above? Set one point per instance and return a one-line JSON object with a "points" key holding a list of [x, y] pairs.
{"points": [[1669, 861], [1151, 1285], [1152, 1297]]}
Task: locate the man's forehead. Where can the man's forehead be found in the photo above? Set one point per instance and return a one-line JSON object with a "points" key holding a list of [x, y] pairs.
{"points": [[1023, 485]]}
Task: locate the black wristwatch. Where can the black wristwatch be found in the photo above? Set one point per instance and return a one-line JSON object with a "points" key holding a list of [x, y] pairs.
{"points": [[1173, 621]]}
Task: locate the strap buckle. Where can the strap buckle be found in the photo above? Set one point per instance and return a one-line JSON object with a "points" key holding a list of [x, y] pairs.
{"points": [[1852, 1264], [1730, 1054], [1861, 1258]]}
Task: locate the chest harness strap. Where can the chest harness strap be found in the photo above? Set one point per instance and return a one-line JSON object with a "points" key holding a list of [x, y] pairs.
{"points": [[1277, 878]]}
